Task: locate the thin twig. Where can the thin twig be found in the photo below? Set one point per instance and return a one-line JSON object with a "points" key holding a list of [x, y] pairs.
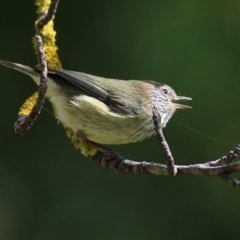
{"points": [[43, 62], [164, 146], [48, 14], [229, 179], [24, 122], [226, 159]]}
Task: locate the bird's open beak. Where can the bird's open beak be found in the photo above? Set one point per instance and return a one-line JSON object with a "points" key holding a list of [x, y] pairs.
{"points": [[180, 98]]}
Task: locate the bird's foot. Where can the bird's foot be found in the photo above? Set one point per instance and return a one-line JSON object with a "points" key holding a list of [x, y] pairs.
{"points": [[105, 155]]}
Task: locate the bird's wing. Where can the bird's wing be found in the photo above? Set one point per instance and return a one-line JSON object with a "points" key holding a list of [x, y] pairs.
{"points": [[86, 83]]}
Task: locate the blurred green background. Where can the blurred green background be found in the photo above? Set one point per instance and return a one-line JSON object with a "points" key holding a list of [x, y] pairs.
{"points": [[50, 191]]}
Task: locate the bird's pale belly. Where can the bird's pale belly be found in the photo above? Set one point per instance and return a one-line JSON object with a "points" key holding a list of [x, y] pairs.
{"points": [[93, 120]]}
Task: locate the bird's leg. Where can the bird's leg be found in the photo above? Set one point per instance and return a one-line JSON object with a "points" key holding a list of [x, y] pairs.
{"points": [[95, 151], [106, 154]]}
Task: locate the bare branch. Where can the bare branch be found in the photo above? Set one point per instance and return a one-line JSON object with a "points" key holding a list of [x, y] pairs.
{"points": [[229, 179], [226, 159], [128, 167]]}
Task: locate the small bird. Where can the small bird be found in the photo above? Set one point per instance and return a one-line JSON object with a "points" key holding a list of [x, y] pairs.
{"points": [[104, 110]]}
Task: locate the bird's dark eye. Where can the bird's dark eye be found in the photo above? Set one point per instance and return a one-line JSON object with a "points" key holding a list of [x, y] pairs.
{"points": [[165, 91]]}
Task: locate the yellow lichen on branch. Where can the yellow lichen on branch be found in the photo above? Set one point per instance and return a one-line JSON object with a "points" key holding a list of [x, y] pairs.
{"points": [[49, 41], [28, 105], [48, 35], [45, 28], [87, 148], [42, 5]]}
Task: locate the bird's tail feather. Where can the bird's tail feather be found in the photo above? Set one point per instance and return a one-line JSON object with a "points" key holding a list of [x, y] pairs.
{"points": [[19, 67]]}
